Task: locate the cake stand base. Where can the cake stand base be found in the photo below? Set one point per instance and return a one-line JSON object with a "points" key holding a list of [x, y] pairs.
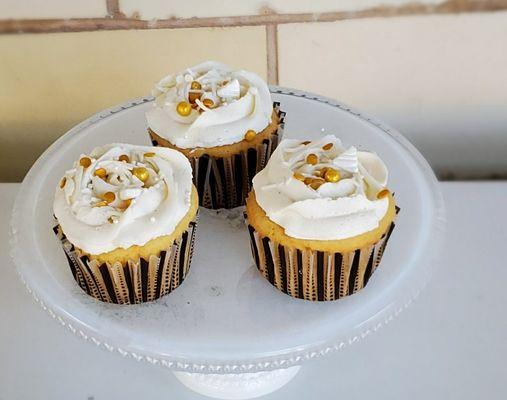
{"points": [[237, 386]]}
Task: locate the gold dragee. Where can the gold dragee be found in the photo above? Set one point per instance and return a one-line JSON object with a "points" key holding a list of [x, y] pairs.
{"points": [[85, 162], [250, 135], [184, 109]]}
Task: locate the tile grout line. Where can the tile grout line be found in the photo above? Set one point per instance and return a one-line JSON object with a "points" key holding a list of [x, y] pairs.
{"points": [[272, 53], [113, 8], [119, 22]]}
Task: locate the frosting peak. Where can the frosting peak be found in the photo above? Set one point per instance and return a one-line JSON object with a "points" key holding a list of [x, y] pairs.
{"points": [[122, 195], [222, 106], [321, 190]]}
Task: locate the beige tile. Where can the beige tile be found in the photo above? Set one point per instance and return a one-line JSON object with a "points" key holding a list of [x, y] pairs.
{"points": [[50, 82], [440, 79], [15, 9], [161, 9]]}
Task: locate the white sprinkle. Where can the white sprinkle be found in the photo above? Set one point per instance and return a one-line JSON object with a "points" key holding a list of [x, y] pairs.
{"points": [[152, 219], [115, 221]]}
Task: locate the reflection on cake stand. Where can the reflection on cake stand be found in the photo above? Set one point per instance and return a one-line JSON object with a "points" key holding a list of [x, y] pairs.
{"points": [[226, 332]]}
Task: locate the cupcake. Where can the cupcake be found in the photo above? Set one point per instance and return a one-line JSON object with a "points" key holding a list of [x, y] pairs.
{"points": [[224, 121], [319, 218], [126, 218]]}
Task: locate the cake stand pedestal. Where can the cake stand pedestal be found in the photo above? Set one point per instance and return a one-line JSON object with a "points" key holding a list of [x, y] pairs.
{"points": [[237, 386], [226, 332]]}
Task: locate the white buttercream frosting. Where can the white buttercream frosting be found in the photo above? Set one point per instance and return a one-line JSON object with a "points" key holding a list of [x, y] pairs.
{"points": [[141, 210], [333, 210], [241, 101]]}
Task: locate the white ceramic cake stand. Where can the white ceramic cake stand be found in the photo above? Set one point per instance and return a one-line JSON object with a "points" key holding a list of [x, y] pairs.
{"points": [[226, 332]]}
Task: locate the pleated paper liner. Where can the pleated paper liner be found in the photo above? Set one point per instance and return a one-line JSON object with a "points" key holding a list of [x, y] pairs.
{"points": [[136, 281], [316, 275], [224, 182]]}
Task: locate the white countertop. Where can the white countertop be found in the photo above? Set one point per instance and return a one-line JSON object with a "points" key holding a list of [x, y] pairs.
{"points": [[451, 344]]}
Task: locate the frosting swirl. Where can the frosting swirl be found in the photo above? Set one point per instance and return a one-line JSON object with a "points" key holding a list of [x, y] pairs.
{"points": [[122, 195], [322, 191], [219, 106]]}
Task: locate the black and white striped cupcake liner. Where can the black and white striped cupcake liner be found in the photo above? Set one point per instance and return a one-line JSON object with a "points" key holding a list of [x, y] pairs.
{"points": [[224, 182], [136, 281], [316, 275]]}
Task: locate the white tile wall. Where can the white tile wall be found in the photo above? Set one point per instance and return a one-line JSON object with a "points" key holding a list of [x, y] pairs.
{"points": [[161, 9], [32, 9], [441, 80]]}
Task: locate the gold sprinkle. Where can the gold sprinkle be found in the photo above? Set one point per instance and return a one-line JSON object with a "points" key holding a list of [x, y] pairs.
{"points": [[332, 175], [306, 142], [149, 154], [208, 103], [299, 176], [124, 157], [127, 203], [327, 146], [308, 180], [316, 183], [383, 193], [141, 173], [184, 109], [109, 197], [250, 135], [192, 97], [63, 182], [195, 85], [110, 220], [85, 162], [322, 172], [312, 159], [100, 204], [101, 173]]}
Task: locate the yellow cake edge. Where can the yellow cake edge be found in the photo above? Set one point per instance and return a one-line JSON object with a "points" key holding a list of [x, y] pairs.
{"points": [[258, 219], [152, 247], [225, 150]]}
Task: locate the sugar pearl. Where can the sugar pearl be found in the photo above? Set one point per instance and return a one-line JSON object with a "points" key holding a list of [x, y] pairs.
{"points": [[250, 135], [208, 103], [141, 173], [85, 162], [299, 176], [195, 85], [312, 159], [101, 173], [184, 109], [332, 175], [109, 197]]}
